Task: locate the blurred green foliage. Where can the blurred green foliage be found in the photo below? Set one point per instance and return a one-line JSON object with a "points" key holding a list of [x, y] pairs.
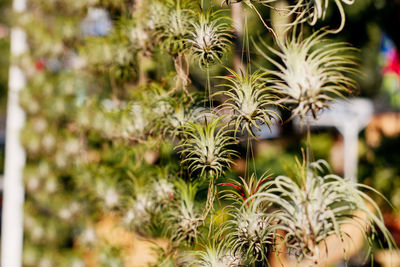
{"points": [[4, 56]]}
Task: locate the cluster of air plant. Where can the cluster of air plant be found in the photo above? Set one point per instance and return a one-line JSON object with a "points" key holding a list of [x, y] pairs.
{"points": [[313, 71], [210, 38], [317, 208], [115, 120], [250, 100], [256, 215], [207, 147]]}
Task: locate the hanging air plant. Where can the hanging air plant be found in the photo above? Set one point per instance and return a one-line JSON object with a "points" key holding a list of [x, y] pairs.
{"points": [[318, 208], [304, 10], [243, 189], [214, 253], [249, 231], [140, 213], [210, 38], [313, 71], [175, 26], [207, 147], [250, 100], [313, 10], [184, 218], [178, 115], [250, 4]]}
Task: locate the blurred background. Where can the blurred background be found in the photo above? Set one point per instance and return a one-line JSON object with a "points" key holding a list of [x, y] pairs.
{"points": [[371, 26]]}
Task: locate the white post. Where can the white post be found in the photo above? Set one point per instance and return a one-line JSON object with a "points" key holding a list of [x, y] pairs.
{"points": [[13, 194], [350, 133]]}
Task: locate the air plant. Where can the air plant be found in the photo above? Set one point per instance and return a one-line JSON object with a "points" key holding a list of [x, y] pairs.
{"points": [[304, 10], [214, 253], [141, 212], [184, 218], [163, 191], [250, 4], [314, 10], [249, 231], [178, 115], [175, 26], [210, 38], [250, 99], [243, 189], [318, 208], [312, 72], [207, 147], [107, 189], [132, 121], [151, 200]]}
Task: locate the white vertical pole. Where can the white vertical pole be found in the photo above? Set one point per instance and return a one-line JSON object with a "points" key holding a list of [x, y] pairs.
{"points": [[350, 152], [13, 194]]}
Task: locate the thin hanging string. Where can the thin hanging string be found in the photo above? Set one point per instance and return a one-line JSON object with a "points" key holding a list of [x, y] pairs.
{"points": [[208, 86], [210, 198], [247, 44], [243, 41], [308, 146], [253, 159], [247, 165], [246, 59]]}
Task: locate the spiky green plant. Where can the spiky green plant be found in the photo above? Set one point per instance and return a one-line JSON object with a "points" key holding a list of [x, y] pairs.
{"points": [[312, 72], [250, 4], [163, 190], [240, 191], [313, 10], [249, 231], [249, 99], [152, 199], [318, 208], [183, 218], [214, 253], [207, 147], [210, 38], [140, 213], [178, 115], [304, 10], [174, 25]]}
